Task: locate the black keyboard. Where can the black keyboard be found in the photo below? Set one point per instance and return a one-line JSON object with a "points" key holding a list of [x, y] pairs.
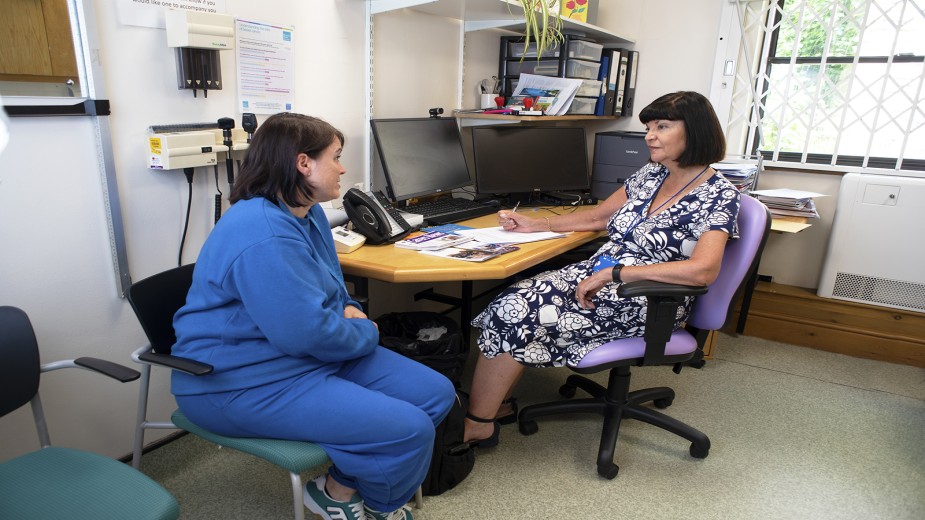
{"points": [[445, 211]]}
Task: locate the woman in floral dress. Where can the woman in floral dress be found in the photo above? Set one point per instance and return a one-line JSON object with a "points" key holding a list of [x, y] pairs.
{"points": [[668, 223]]}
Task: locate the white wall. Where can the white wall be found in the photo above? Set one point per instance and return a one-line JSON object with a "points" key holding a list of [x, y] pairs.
{"points": [[55, 258]]}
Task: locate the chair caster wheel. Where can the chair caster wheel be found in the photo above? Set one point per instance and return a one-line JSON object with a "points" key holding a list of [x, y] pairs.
{"points": [[528, 427], [608, 471], [567, 391], [698, 364], [699, 452], [661, 404]]}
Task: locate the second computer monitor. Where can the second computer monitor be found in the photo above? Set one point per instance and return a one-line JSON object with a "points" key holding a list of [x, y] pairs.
{"points": [[420, 156], [524, 161]]}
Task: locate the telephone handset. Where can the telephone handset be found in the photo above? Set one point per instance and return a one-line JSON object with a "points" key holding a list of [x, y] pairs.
{"points": [[373, 217]]}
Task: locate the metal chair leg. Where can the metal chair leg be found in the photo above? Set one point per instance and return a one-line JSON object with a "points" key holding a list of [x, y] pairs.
{"points": [[297, 501]]}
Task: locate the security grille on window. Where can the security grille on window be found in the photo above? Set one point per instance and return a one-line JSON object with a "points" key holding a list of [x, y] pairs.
{"points": [[831, 82]]}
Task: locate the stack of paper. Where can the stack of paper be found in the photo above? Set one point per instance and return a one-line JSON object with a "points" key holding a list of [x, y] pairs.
{"points": [[472, 245], [562, 91], [741, 175], [785, 202], [473, 251], [449, 241], [497, 235]]}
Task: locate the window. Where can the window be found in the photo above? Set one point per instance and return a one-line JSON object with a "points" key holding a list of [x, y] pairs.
{"points": [[833, 82]]}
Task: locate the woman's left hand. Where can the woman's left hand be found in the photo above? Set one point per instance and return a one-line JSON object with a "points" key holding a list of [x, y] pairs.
{"points": [[589, 287], [352, 312]]}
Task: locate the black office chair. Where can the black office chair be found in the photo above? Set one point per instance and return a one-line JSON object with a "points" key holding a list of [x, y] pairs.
{"points": [[660, 346], [56, 482]]}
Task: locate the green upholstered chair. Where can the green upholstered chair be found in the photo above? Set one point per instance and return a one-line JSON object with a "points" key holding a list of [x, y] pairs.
{"points": [[56, 482], [155, 300]]}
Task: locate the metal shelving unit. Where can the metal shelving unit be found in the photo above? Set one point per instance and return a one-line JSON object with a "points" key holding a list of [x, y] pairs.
{"points": [[478, 15]]}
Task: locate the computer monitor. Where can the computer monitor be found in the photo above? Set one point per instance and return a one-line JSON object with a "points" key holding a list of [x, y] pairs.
{"points": [[522, 161], [420, 156]]}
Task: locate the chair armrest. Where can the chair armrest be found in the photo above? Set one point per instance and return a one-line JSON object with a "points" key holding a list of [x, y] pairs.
{"points": [[116, 371], [662, 302], [662, 289], [176, 363]]}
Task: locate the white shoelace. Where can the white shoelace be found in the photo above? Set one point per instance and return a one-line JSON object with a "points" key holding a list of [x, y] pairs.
{"points": [[357, 509], [398, 514]]}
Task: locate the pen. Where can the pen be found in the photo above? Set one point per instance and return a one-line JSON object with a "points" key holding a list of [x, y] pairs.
{"points": [[515, 207]]}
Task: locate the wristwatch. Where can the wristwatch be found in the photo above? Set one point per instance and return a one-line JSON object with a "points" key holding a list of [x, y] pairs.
{"points": [[616, 273]]}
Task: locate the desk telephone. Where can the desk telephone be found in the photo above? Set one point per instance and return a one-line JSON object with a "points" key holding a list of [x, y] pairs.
{"points": [[373, 216]]}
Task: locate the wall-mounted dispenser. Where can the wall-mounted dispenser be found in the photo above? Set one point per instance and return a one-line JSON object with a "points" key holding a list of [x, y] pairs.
{"points": [[198, 37]]}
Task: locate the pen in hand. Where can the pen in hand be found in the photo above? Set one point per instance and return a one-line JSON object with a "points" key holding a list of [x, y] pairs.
{"points": [[511, 221]]}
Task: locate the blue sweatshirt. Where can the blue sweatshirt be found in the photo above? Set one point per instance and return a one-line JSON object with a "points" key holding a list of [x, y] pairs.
{"points": [[267, 302]]}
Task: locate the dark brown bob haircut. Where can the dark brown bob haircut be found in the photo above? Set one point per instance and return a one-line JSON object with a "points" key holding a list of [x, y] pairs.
{"points": [[706, 143], [269, 168]]}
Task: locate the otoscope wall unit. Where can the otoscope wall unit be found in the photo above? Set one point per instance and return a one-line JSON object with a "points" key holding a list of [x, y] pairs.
{"points": [[182, 150], [198, 37], [177, 150]]}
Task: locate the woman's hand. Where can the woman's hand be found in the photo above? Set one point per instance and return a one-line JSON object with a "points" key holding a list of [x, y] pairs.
{"points": [[513, 221], [590, 286], [352, 312]]}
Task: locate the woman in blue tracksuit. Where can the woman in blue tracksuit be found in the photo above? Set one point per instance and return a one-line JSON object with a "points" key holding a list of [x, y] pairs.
{"points": [[294, 356]]}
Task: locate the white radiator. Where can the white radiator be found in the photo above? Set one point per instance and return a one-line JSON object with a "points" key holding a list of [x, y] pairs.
{"points": [[877, 247]]}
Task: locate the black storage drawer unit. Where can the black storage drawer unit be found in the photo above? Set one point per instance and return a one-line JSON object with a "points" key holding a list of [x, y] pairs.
{"points": [[617, 155]]}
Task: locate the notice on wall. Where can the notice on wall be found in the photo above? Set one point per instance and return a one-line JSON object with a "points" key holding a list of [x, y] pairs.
{"points": [[150, 13], [265, 61]]}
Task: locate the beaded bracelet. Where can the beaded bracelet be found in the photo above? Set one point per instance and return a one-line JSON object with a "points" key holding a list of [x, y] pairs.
{"points": [[548, 225]]}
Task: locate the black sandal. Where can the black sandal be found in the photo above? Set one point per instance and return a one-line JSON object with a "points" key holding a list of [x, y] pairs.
{"points": [[510, 418], [488, 442]]}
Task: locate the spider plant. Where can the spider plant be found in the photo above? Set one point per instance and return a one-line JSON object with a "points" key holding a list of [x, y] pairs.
{"points": [[543, 26]]}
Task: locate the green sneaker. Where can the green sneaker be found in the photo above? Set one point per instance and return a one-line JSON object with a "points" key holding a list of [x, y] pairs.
{"points": [[402, 513], [317, 501]]}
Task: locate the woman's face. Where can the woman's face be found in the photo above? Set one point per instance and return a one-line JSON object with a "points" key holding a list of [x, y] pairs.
{"points": [[666, 140], [323, 173]]}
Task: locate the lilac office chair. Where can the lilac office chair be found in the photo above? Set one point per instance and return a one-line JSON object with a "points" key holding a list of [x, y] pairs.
{"points": [[660, 346]]}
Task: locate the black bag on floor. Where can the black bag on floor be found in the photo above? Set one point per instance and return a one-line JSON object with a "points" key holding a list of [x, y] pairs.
{"points": [[436, 341], [452, 460]]}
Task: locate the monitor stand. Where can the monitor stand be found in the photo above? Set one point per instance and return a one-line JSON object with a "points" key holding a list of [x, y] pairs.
{"points": [[525, 199], [561, 198], [548, 198]]}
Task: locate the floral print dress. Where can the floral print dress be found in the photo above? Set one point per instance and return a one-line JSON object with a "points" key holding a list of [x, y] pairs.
{"points": [[538, 320]]}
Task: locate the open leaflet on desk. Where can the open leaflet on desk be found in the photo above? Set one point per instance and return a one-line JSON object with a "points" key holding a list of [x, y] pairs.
{"points": [[372, 218]]}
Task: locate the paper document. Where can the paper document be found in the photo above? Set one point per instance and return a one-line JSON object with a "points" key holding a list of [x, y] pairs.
{"points": [[787, 193], [783, 225], [566, 90], [473, 251], [497, 235]]}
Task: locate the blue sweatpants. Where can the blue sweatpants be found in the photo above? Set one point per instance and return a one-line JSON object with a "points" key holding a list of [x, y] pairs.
{"points": [[374, 416]]}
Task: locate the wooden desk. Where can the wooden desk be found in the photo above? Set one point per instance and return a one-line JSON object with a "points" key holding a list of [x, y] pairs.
{"points": [[395, 265]]}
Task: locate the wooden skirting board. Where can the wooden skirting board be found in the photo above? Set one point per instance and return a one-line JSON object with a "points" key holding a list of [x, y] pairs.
{"points": [[798, 316]]}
